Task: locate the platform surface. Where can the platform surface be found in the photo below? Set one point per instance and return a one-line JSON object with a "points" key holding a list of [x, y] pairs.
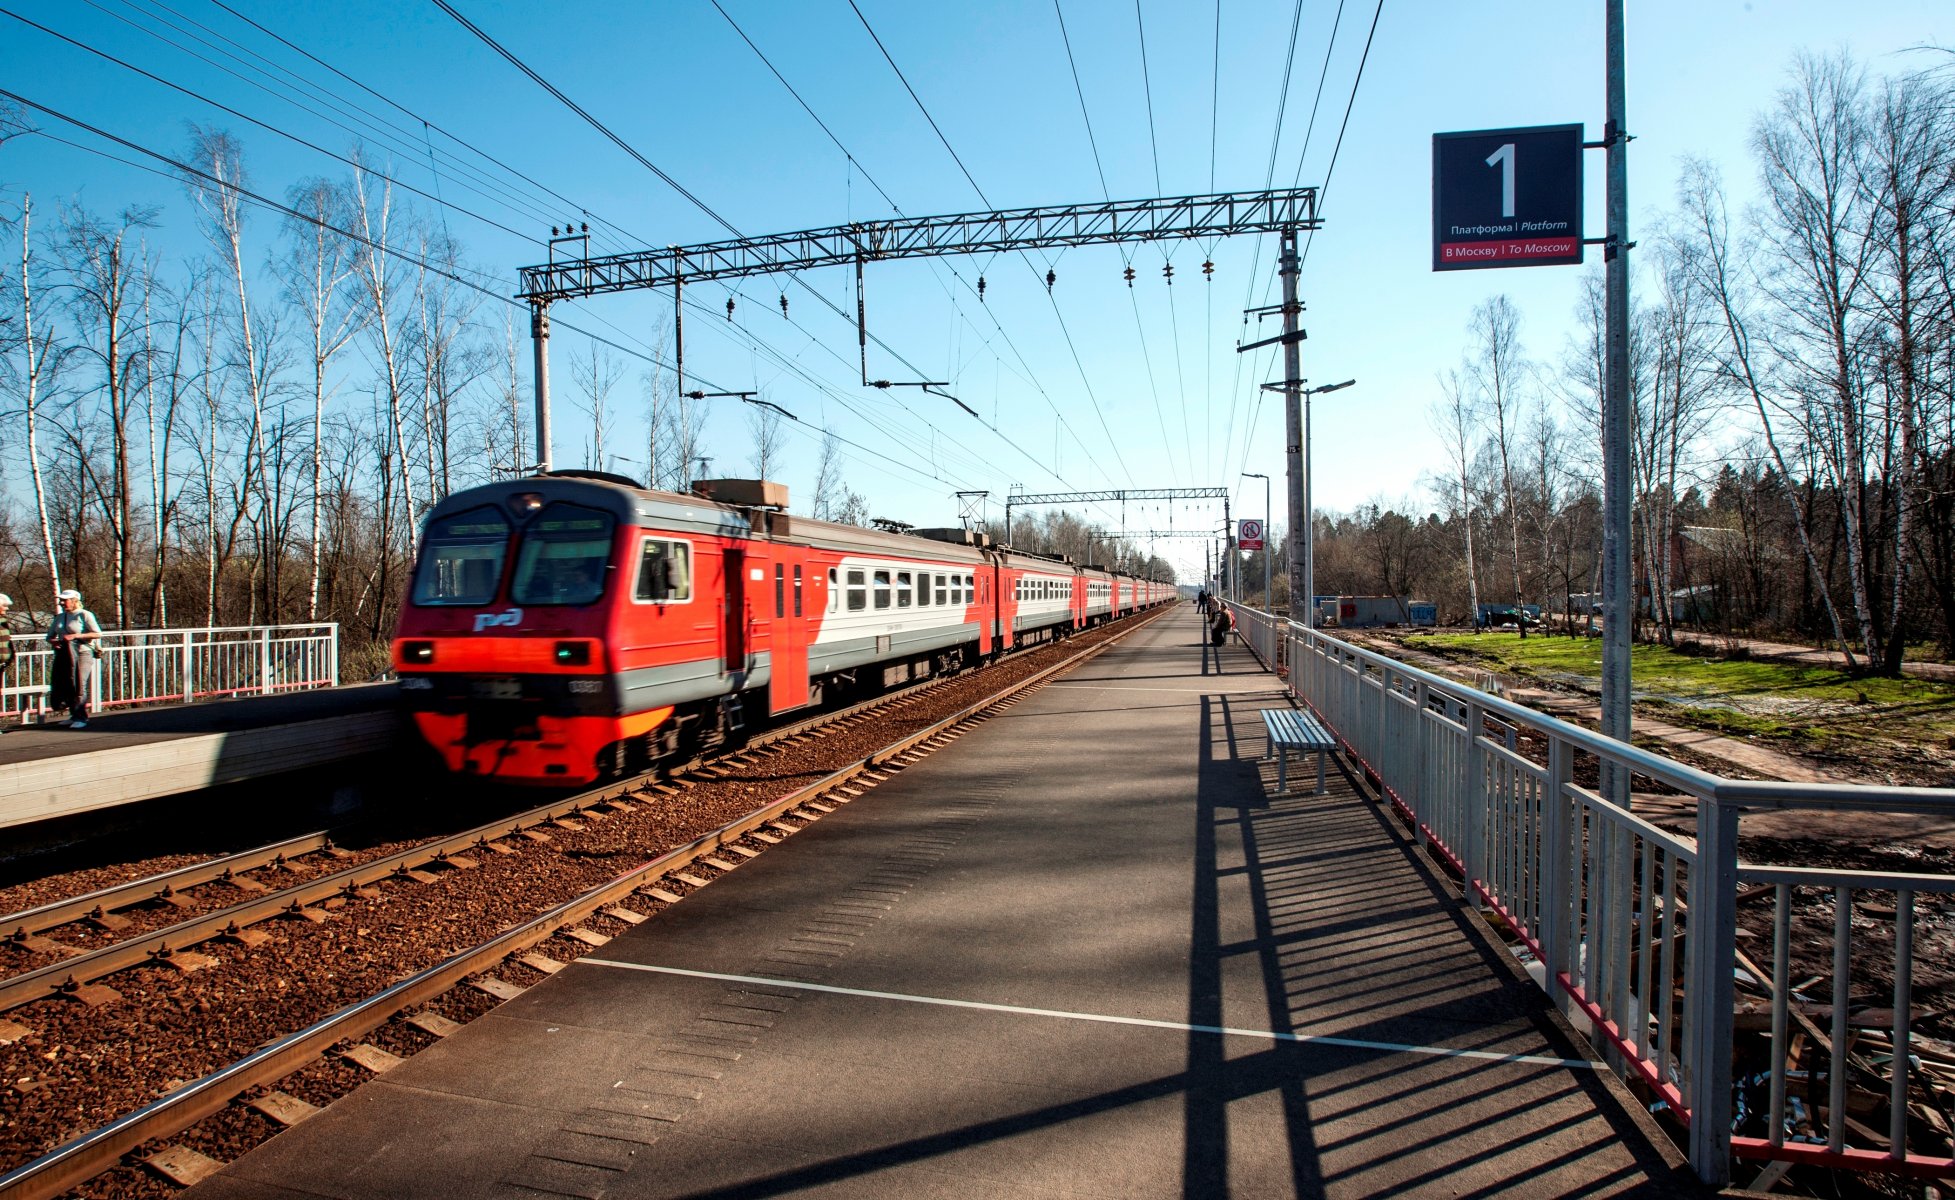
{"points": [[1081, 952], [130, 755]]}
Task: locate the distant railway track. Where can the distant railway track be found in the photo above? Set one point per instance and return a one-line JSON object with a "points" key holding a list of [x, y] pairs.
{"points": [[546, 888]]}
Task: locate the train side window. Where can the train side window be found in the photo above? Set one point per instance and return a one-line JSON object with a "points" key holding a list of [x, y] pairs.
{"points": [[903, 589], [944, 596], [882, 589], [970, 589], [664, 572], [834, 593], [858, 591], [797, 590], [923, 589], [461, 560], [780, 590]]}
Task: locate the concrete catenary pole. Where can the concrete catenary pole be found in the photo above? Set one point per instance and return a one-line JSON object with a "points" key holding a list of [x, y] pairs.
{"points": [[1295, 538], [539, 331], [1617, 613]]}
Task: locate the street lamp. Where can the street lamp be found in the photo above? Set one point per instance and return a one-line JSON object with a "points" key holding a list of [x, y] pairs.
{"points": [[1309, 517], [1269, 597]]}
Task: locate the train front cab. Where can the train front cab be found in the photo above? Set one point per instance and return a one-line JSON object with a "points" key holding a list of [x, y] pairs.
{"points": [[546, 631]]}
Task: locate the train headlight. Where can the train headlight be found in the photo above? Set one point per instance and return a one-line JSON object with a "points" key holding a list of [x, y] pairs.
{"points": [[526, 503], [573, 654], [417, 652]]}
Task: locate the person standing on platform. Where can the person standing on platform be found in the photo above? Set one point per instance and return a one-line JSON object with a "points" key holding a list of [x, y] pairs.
{"points": [[6, 638], [73, 634]]}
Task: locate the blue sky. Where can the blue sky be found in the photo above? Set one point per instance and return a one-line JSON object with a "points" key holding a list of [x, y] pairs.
{"points": [[1151, 391]]}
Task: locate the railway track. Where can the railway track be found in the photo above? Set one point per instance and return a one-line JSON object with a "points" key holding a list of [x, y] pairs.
{"points": [[341, 956]]}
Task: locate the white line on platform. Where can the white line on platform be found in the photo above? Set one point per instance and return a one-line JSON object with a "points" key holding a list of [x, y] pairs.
{"points": [[1177, 1026]]}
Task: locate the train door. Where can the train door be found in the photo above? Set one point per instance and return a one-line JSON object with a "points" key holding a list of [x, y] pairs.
{"points": [[980, 602], [787, 603], [1007, 609], [733, 622]]}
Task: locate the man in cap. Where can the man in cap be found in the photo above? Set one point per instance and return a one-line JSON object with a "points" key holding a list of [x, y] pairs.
{"points": [[72, 633]]}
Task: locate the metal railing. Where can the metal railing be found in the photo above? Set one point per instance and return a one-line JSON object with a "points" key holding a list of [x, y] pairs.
{"points": [[148, 666], [1637, 929]]}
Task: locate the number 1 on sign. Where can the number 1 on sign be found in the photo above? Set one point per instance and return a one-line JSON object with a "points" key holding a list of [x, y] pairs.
{"points": [[1505, 157]]}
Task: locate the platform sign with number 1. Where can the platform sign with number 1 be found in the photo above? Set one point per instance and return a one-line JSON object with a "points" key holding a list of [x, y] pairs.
{"points": [[1507, 198]]}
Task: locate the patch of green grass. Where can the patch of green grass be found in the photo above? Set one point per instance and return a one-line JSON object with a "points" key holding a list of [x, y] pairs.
{"points": [[1664, 671]]}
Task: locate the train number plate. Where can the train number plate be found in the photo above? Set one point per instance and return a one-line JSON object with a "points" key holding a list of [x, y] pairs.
{"points": [[495, 689]]}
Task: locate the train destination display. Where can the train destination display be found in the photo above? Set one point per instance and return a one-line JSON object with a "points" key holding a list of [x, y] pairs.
{"points": [[1507, 198]]}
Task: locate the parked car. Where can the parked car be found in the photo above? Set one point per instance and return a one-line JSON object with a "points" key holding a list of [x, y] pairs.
{"points": [[1507, 617]]}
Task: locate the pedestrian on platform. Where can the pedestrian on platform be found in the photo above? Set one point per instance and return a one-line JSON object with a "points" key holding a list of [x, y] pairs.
{"points": [[73, 634], [6, 638], [1219, 626]]}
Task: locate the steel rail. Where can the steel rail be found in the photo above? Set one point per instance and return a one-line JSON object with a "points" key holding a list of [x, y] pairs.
{"points": [[83, 1158], [68, 974], [153, 887]]}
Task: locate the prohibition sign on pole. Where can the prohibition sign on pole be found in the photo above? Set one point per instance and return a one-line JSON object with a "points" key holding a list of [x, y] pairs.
{"points": [[1249, 535], [1507, 198]]}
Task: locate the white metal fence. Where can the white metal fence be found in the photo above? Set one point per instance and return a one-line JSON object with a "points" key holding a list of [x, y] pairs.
{"points": [[1638, 928], [148, 666]]}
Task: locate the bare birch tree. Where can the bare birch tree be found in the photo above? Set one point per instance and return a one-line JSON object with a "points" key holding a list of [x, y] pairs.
{"points": [[318, 270]]}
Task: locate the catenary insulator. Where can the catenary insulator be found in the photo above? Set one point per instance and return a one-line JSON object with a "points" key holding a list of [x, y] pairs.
{"points": [[729, 308], [1051, 277], [1129, 275], [1167, 272], [784, 304]]}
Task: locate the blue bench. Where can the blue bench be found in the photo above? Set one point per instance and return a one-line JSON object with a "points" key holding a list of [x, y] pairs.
{"points": [[1299, 730]]}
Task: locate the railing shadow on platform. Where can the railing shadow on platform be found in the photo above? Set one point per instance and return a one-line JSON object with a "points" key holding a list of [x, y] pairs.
{"points": [[1602, 899]]}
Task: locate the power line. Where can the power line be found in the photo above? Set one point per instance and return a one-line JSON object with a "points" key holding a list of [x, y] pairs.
{"points": [[1345, 124], [919, 103], [269, 128], [397, 106], [285, 83], [1147, 87], [649, 165]]}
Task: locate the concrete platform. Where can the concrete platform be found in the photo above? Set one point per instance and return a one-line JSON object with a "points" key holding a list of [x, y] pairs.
{"points": [[51, 771], [1081, 952]]}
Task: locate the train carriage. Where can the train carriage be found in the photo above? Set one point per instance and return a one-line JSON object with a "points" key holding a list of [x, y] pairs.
{"points": [[567, 625]]}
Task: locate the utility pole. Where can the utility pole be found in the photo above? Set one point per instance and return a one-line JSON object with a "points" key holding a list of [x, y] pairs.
{"points": [[539, 331], [1293, 430], [1618, 615]]}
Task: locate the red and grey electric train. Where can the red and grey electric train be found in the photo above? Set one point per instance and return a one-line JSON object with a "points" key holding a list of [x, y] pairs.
{"points": [[569, 625]]}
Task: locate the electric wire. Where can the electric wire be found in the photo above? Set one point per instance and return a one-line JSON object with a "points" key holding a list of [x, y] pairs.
{"points": [[266, 126], [396, 137], [1098, 408], [1126, 260], [181, 169], [398, 107], [1324, 188], [511, 58]]}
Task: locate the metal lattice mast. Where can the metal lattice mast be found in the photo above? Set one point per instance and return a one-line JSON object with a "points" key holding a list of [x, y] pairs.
{"points": [[1221, 215], [1020, 499]]}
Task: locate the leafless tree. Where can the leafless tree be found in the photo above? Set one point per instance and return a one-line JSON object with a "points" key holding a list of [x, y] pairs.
{"points": [[1498, 373], [318, 270], [1725, 274], [764, 423], [32, 374], [1452, 419]]}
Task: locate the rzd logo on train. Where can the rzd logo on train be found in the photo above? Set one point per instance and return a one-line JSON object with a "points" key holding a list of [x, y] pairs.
{"points": [[509, 619]]}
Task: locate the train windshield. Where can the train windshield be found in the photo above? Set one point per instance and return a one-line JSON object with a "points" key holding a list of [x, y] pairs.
{"points": [[563, 557], [462, 561]]}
